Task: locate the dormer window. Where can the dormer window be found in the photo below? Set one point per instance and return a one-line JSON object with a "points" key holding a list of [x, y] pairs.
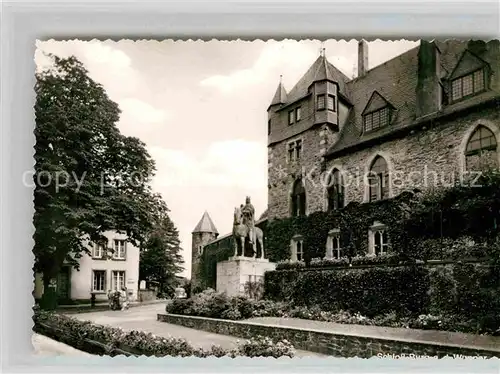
{"points": [[467, 85], [320, 102], [377, 119], [291, 117]]}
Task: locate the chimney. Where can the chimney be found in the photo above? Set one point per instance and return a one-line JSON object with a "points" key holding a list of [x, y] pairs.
{"points": [[428, 91], [477, 47], [362, 58]]}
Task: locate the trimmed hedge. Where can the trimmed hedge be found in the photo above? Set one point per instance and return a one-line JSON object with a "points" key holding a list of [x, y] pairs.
{"points": [[466, 292], [366, 291], [106, 340], [208, 303]]}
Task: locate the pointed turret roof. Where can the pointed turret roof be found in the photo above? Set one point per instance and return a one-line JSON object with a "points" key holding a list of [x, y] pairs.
{"points": [[280, 95], [320, 70], [205, 225]]}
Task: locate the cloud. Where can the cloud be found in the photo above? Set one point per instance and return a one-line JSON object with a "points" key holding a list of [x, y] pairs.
{"points": [[99, 53], [289, 57], [237, 163], [344, 64], [106, 64], [140, 111]]}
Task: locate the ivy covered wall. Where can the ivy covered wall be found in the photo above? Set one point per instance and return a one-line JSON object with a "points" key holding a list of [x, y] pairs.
{"points": [[412, 219]]}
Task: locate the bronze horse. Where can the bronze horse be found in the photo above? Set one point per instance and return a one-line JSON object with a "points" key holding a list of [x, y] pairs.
{"points": [[240, 234]]}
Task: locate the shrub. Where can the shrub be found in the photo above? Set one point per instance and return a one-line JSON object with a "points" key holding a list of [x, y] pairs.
{"points": [[289, 265], [264, 346], [254, 290], [212, 304], [74, 332]]}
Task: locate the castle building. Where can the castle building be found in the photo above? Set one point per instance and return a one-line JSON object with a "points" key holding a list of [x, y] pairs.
{"points": [[418, 120]]}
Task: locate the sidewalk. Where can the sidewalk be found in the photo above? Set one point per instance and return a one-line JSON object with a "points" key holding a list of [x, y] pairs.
{"points": [[44, 346], [86, 308], [448, 338], [145, 319]]}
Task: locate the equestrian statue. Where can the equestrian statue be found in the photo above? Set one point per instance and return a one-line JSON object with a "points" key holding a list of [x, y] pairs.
{"points": [[244, 230]]}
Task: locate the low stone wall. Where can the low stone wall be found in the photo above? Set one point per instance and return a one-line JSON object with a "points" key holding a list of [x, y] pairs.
{"points": [[339, 345]]}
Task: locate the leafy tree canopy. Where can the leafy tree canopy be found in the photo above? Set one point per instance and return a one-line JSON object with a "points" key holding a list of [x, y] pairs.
{"points": [[89, 178], [160, 258]]}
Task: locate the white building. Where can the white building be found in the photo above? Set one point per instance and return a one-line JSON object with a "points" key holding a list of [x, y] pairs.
{"points": [[99, 272]]}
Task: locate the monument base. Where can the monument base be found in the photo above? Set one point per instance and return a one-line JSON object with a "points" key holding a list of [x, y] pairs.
{"points": [[233, 274]]}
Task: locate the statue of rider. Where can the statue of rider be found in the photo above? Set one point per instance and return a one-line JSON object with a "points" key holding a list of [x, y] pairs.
{"points": [[248, 212]]}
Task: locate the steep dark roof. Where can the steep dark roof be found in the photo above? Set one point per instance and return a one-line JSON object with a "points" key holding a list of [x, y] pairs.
{"points": [[396, 82], [205, 225], [321, 69], [280, 96]]}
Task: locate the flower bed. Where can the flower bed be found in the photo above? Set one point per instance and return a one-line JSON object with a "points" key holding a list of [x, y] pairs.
{"points": [[98, 339], [217, 305]]}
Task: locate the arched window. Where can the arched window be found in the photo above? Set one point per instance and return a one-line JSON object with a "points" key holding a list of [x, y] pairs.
{"points": [[335, 191], [481, 150], [298, 198], [378, 179]]}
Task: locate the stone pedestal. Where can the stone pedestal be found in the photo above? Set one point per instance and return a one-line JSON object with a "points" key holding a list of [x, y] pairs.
{"points": [[233, 274]]}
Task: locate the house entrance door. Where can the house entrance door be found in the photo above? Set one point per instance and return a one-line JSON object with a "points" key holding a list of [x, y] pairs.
{"points": [[63, 283]]}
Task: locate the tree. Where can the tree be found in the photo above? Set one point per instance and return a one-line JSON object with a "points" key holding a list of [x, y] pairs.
{"points": [[160, 259], [89, 178]]}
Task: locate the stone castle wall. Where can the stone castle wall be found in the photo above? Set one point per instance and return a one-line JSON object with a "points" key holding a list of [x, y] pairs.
{"points": [[413, 161]]}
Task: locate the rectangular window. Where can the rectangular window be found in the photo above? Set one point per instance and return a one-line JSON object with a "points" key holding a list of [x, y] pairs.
{"points": [[320, 102], [467, 85], [291, 151], [119, 249], [298, 149], [381, 242], [98, 250], [269, 127], [295, 150], [99, 281], [298, 114], [337, 250], [300, 250], [118, 280], [290, 117], [331, 103]]}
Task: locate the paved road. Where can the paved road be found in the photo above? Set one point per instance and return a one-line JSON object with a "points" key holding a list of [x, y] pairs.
{"points": [[144, 318]]}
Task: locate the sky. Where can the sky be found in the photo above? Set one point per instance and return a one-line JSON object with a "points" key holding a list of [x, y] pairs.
{"points": [[200, 108]]}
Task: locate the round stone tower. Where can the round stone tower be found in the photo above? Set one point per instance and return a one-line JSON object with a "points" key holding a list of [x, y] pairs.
{"points": [[203, 233]]}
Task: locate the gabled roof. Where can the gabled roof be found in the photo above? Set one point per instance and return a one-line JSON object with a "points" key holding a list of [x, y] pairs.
{"points": [[396, 82], [377, 101], [467, 63], [279, 96], [205, 225], [321, 69]]}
